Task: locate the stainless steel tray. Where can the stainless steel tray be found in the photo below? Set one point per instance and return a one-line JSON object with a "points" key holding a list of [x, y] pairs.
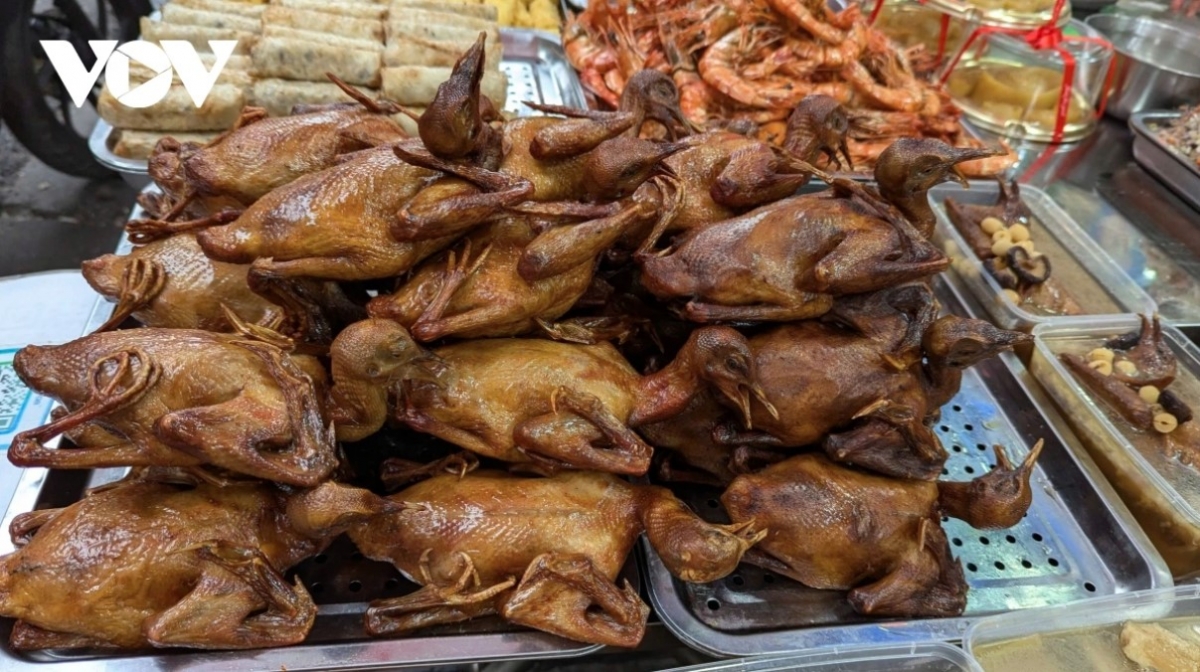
{"points": [[1160, 160], [340, 580], [534, 62], [1068, 247], [1077, 541]]}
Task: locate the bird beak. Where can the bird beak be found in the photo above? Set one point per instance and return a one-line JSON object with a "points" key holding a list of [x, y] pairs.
{"points": [[743, 398], [959, 155], [846, 153]]}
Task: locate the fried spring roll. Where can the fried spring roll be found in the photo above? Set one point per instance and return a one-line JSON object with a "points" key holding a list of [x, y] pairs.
{"points": [[322, 38], [399, 30], [399, 7], [139, 73], [187, 16], [414, 50], [307, 61], [441, 18], [279, 96], [139, 144], [363, 29], [358, 10], [199, 36], [223, 6], [176, 111], [416, 85]]}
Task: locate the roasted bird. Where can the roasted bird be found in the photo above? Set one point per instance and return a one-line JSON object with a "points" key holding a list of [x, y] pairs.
{"points": [[866, 399], [340, 233], [536, 401], [790, 259], [171, 283], [142, 563], [722, 173], [258, 155], [179, 398], [541, 552], [479, 289], [1133, 373], [836, 528], [999, 235]]}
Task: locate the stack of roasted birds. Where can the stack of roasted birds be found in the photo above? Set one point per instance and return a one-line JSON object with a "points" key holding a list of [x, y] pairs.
{"points": [[749, 62], [562, 303]]}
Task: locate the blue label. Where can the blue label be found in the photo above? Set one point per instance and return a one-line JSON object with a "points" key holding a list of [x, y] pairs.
{"points": [[20, 409]]}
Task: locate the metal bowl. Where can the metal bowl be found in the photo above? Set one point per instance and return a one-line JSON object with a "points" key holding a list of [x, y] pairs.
{"points": [[1157, 66]]}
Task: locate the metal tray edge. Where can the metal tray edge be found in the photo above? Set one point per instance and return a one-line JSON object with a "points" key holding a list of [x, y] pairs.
{"points": [[670, 607]]}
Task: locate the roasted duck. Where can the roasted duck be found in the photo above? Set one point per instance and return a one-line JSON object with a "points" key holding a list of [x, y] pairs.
{"points": [[179, 398], [258, 155], [1133, 373], [866, 399], [790, 259], [836, 528], [541, 552], [536, 401], [999, 235], [143, 563]]}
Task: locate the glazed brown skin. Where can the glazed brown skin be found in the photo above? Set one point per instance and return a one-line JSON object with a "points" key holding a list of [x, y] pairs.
{"points": [[152, 564], [836, 528], [788, 260], [554, 404], [476, 296], [191, 288], [263, 154], [180, 398], [331, 225], [538, 551], [866, 399]]}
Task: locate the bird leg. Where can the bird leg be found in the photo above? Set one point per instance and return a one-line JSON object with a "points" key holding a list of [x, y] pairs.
{"points": [[225, 609], [28, 449], [564, 594], [572, 438], [142, 231], [431, 325], [462, 599], [396, 472], [141, 282], [25, 525]]}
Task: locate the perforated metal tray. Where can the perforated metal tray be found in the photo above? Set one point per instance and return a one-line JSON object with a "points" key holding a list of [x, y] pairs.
{"points": [[533, 61], [340, 580], [1077, 541]]}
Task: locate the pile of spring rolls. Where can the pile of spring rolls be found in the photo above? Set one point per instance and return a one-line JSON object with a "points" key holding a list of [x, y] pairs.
{"points": [[399, 50]]}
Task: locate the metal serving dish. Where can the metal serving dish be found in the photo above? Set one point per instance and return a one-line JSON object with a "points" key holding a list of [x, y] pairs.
{"points": [[1156, 63], [1162, 160], [1096, 281], [341, 581], [534, 63], [1077, 541], [926, 657]]}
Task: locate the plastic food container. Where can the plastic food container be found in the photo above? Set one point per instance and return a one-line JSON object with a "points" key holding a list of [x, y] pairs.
{"points": [[1096, 282], [1042, 641], [929, 657], [1007, 86], [1162, 493]]}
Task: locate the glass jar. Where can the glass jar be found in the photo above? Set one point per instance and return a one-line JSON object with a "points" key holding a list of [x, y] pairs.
{"points": [[911, 24], [1017, 14], [1005, 85]]}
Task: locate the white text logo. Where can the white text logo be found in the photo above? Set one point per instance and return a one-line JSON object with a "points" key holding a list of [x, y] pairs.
{"points": [[178, 55]]}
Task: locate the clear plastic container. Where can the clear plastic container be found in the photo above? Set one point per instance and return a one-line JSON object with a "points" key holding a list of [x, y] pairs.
{"points": [[1007, 86], [1162, 492], [1081, 636], [928, 657], [1093, 279]]}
